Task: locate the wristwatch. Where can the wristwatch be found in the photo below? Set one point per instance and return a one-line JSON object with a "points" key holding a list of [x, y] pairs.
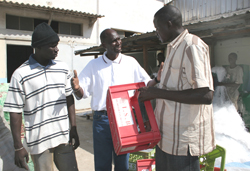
{"points": [[156, 80]]}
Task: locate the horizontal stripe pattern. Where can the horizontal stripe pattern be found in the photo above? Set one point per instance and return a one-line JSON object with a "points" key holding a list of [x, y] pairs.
{"points": [[45, 105], [40, 93], [44, 88], [38, 125], [47, 138]]}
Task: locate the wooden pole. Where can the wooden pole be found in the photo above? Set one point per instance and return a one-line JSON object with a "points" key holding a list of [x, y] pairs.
{"points": [[145, 57]]}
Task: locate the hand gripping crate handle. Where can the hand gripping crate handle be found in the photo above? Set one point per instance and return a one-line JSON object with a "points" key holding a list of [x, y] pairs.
{"points": [[128, 87]]}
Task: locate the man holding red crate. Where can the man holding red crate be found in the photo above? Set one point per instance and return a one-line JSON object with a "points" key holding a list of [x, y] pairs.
{"points": [[112, 68], [183, 112]]}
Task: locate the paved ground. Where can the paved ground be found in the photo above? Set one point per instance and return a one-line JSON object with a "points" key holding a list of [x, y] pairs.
{"points": [[84, 153]]}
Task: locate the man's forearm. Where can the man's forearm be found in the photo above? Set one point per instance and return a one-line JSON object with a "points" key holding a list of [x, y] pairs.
{"points": [[79, 93], [230, 84], [71, 110], [15, 125], [190, 96]]}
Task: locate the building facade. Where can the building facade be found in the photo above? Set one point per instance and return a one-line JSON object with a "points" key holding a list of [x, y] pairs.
{"points": [[78, 23]]}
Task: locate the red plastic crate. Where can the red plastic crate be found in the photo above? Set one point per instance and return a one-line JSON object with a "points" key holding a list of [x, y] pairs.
{"points": [[218, 169], [215, 168], [145, 165], [125, 135]]}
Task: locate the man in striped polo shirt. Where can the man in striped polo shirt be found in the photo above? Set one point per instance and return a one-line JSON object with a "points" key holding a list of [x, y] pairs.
{"points": [[183, 110], [40, 88]]}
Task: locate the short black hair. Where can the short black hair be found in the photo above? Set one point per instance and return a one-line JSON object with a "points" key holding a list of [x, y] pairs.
{"points": [[104, 35], [169, 13], [233, 54]]}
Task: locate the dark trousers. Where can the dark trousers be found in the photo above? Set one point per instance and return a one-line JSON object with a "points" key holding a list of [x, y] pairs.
{"points": [[168, 162], [103, 145]]}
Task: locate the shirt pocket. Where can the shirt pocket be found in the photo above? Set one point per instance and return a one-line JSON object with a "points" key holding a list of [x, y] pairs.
{"points": [[172, 81]]}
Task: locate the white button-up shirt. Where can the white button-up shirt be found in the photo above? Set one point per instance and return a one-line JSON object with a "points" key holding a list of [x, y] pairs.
{"points": [[101, 73]]}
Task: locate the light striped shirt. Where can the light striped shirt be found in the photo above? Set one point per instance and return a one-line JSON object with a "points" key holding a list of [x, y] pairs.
{"points": [[183, 126], [40, 93]]}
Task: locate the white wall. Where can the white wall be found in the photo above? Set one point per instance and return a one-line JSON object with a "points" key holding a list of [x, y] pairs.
{"points": [[75, 63], [3, 76], [134, 15], [240, 46]]}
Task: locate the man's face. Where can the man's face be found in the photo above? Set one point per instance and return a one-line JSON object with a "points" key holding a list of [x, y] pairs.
{"points": [[113, 42], [232, 59], [50, 51], [162, 30], [160, 59]]}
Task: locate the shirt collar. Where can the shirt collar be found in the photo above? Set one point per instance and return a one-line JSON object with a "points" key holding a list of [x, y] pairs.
{"points": [[178, 39], [107, 60], [33, 63]]}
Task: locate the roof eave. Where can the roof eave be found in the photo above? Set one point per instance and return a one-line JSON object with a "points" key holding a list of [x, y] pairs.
{"points": [[50, 9]]}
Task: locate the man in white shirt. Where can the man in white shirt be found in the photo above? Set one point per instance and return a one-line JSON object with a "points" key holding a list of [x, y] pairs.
{"points": [[112, 68]]}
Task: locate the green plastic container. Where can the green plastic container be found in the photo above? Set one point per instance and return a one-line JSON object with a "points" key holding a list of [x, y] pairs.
{"points": [[207, 160]]}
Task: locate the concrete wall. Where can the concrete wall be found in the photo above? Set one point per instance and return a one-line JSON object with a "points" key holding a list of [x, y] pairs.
{"points": [[131, 15], [134, 15]]}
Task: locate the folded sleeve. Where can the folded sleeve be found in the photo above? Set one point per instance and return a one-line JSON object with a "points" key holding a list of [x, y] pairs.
{"points": [[15, 99], [197, 67]]}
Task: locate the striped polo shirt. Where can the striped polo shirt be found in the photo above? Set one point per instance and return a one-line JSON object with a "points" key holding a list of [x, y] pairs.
{"points": [[183, 126], [40, 93]]}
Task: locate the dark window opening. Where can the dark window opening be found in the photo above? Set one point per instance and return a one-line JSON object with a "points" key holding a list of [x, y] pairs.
{"points": [[16, 56], [29, 24], [39, 21], [12, 22], [26, 24]]}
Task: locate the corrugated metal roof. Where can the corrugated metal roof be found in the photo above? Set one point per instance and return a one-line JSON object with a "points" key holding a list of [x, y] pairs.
{"points": [[200, 10], [51, 9], [217, 17]]}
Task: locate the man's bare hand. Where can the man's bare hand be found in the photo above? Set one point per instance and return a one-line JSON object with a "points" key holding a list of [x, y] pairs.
{"points": [[159, 71], [75, 81], [147, 93], [20, 157], [74, 139]]}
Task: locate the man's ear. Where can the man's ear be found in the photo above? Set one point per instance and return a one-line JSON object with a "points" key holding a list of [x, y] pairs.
{"points": [[103, 45], [37, 49], [169, 24]]}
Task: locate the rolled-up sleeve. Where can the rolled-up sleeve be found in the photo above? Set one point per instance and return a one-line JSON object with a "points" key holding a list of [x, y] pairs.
{"points": [[197, 67], [15, 99]]}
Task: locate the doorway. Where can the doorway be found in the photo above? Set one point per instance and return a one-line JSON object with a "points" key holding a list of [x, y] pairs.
{"points": [[16, 56]]}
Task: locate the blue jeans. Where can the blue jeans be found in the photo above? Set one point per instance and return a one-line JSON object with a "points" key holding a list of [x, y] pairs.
{"points": [[103, 145], [168, 162]]}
